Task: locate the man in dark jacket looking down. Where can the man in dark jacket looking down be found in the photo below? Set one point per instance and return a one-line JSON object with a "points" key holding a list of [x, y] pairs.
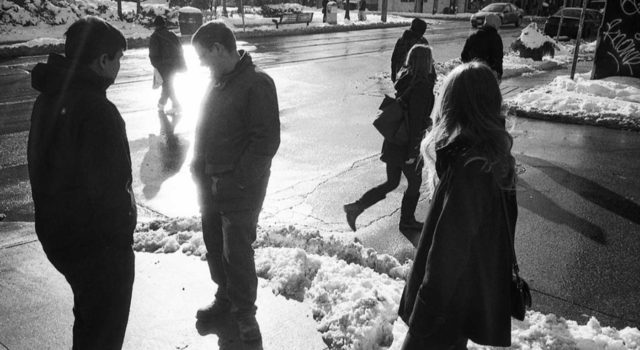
{"points": [[165, 53], [409, 38], [80, 173], [486, 45], [237, 135]]}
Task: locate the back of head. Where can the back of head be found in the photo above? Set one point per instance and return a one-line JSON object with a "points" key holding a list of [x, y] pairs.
{"points": [[470, 105], [215, 32], [492, 20], [418, 26], [90, 37], [419, 60], [159, 22]]}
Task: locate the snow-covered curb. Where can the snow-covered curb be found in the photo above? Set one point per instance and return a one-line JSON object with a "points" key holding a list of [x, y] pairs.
{"points": [[612, 102], [355, 306]]}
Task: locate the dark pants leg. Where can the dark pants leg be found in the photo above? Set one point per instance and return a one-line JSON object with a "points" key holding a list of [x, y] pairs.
{"points": [[168, 92], [102, 287], [434, 342], [379, 192], [412, 193], [228, 237]]}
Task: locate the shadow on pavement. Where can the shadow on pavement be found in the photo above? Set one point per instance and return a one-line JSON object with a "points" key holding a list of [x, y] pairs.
{"points": [[537, 202], [227, 332], [164, 158], [587, 189]]}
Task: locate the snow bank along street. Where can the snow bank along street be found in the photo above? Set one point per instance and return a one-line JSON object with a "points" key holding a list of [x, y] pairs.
{"points": [[354, 292]]}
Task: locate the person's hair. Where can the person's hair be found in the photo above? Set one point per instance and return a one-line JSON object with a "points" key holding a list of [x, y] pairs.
{"points": [[90, 37], [159, 22], [470, 106], [418, 63], [419, 26], [215, 32]]}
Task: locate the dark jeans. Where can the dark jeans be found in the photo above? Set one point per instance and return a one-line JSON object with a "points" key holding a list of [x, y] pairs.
{"points": [[411, 194], [434, 342], [228, 237], [168, 92], [102, 285]]}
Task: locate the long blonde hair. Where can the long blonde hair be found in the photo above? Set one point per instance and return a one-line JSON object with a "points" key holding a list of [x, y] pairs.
{"points": [[470, 106], [419, 62]]}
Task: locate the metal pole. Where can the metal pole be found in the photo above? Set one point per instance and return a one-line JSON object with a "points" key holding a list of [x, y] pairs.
{"points": [[578, 37], [383, 16], [242, 14], [561, 18]]}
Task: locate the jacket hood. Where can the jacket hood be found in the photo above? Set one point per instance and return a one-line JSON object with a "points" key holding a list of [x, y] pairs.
{"points": [[244, 63], [60, 73], [410, 34]]}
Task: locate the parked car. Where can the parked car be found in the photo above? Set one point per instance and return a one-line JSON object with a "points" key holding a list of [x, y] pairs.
{"points": [[571, 22], [508, 13]]}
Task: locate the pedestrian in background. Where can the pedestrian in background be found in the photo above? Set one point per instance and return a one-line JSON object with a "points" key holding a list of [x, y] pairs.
{"points": [[459, 286], [486, 45], [414, 91], [362, 10], [409, 38], [324, 10], [237, 136], [80, 173], [165, 52]]}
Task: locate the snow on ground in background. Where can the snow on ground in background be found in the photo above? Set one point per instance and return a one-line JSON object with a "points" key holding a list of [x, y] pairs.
{"points": [[594, 100], [355, 304]]}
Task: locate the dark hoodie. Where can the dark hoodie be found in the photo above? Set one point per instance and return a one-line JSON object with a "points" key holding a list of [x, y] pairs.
{"points": [[79, 162], [400, 51], [485, 45]]}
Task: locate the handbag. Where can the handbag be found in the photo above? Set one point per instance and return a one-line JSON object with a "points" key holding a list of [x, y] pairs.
{"points": [[392, 122], [519, 289], [157, 79]]}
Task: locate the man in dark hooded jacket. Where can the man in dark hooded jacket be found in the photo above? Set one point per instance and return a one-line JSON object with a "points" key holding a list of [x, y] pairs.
{"points": [[409, 38], [486, 45], [165, 53], [80, 173]]}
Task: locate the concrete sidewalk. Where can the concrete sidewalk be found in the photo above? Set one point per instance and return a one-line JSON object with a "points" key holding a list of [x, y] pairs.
{"points": [[36, 304]]}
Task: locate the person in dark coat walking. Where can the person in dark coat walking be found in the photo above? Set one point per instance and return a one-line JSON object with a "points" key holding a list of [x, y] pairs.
{"points": [[409, 38], [459, 285], [165, 53], [414, 90], [362, 10], [237, 136], [486, 45], [80, 173]]}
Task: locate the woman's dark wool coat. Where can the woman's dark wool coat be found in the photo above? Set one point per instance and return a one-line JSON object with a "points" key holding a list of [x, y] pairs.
{"points": [[459, 283]]}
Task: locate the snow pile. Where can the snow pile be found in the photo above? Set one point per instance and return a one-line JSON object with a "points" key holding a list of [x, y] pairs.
{"points": [[355, 306], [32, 12], [613, 101], [532, 38], [540, 331]]}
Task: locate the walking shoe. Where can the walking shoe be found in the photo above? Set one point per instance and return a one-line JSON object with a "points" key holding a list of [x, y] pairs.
{"points": [[160, 107], [174, 110], [216, 309], [412, 224], [249, 329], [352, 210]]}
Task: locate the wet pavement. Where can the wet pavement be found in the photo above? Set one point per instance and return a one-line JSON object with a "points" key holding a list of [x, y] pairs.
{"points": [[579, 191]]}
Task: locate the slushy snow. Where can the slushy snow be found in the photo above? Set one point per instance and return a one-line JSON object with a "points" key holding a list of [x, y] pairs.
{"points": [[354, 292]]}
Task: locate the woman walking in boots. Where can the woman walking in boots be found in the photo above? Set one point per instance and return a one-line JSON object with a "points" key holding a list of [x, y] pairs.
{"points": [[414, 91], [459, 285]]}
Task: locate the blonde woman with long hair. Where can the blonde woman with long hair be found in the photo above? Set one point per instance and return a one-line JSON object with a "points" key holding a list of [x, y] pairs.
{"points": [[458, 288], [414, 91]]}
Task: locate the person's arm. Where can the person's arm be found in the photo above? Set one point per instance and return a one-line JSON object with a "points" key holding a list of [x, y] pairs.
{"points": [[418, 105], [394, 59], [464, 208], [499, 56], [466, 56], [264, 133], [154, 51]]}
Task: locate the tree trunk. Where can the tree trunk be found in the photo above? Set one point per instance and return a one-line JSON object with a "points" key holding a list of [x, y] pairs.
{"points": [[417, 8], [383, 16], [119, 9], [224, 9], [347, 7]]}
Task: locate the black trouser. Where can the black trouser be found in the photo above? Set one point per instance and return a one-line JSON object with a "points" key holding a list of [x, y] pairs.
{"points": [[434, 342], [168, 91], [228, 237], [411, 194], [102, 285]]}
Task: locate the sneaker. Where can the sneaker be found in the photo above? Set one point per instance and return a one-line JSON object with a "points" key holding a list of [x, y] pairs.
{"points": [[352, 210], [411, 225], [214, 310], [160, 107], [174, 111], [249, 329]]}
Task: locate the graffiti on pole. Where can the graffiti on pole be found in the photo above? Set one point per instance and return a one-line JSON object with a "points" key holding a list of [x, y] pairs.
{"points": [[618, 50]]}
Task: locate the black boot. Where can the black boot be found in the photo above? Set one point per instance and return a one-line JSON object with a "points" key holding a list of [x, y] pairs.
{"points": [[353, 210], [409, 226]]}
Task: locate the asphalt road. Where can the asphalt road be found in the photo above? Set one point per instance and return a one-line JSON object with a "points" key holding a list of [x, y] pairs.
{"points": [[579, 187]]}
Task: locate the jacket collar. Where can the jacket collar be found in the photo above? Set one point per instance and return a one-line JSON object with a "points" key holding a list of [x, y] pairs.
{"points": [[245, 63], [60, 74], [446, 154]]}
